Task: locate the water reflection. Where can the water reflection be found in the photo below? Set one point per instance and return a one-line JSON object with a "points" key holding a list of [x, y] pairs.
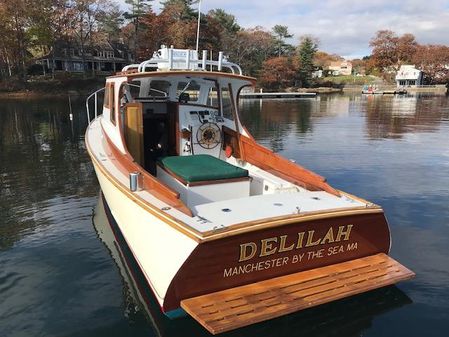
{"points": [[57, 279], [394, 116], [271, 121], [42, 155], [344, 318]]}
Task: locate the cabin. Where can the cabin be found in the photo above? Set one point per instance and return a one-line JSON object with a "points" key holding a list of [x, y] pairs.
{"points": [[408, 76]]}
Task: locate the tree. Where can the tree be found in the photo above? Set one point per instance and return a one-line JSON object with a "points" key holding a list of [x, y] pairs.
{"points": [[323, 60], [227, 28], [390, 51], [50, 23], [227, 21], [281, 33], [406, 48], [15, 23], [251, 48], [138, 8], [278, 72], [110, 23], [180, 9], [306, 51], [433, 60], [84, 16]]}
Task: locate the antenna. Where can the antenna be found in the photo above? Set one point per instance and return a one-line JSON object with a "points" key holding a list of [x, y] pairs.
{"points": [[198, 28]]}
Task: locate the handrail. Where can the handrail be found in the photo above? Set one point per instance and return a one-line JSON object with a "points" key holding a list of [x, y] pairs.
{"points": [[172, 62], [95, 95]]}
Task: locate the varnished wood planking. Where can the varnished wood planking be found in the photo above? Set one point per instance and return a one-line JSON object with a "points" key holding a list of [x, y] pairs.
{"points": [[134, 131], [237, 307], [267, 160], [203, 271]]}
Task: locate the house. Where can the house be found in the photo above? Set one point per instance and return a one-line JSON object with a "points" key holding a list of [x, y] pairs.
{"points": [[317, 73], [408, 75], [342, 68], [105, 57]]}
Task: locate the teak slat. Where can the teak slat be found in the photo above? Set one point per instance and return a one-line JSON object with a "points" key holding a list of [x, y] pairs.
{"points": [[238, 307]]}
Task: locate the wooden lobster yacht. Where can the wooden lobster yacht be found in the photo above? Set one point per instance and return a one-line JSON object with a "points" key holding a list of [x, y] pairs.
{"points": [[221, 227]]}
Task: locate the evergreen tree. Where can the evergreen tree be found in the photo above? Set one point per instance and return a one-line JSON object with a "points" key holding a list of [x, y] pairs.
{"points": [[181, 8], [138, 8], [307, 49], [282, 33]]}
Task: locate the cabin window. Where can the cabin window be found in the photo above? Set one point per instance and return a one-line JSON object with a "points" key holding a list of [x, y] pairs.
{"points": [[188, 92], [159, 89], [134, 88], [226, 103]]}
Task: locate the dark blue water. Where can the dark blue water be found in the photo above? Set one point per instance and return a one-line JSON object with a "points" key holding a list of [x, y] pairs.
{"points": [[57, 277]]}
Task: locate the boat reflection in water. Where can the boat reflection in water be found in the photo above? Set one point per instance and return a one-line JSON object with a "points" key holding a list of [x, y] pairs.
{"points": [[347, 317]]}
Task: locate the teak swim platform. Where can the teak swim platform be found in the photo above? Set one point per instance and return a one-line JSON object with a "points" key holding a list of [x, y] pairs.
{"points": [[237, 307], [209, 214]]}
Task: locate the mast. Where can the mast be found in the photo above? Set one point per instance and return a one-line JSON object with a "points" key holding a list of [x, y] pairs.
{"points": [[198, 26]]}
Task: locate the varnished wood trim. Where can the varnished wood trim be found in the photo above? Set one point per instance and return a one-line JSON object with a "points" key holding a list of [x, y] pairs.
{"points": [[187, 73], [127, 165], [267, 160], [250, 136], [359, 199]]}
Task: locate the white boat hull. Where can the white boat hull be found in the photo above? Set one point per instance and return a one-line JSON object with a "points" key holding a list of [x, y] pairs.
{"points": [[159, 249]]}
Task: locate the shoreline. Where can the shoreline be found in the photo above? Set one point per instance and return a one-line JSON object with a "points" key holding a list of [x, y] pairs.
{"points": [[38, 94]]}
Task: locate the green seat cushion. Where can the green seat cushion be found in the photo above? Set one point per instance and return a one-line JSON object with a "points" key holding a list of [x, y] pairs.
{"points": [[201, 167]]}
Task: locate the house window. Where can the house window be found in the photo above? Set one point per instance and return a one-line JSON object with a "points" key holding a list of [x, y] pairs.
{"points": [[401, 82], [412, 82]]}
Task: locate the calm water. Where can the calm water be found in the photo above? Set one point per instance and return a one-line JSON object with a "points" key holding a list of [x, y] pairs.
{"points": [[57, 278]]}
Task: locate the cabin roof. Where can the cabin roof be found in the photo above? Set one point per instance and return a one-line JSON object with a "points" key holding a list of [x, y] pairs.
{"points": [[132, 76]]}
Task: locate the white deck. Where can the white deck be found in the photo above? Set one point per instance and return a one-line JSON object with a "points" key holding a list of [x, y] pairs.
{"points": [[229, 212], [217, 215]]}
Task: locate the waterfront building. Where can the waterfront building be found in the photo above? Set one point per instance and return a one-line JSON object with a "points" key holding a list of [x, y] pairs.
{"points": [[107, 57], [408, 76], [340, 68]]}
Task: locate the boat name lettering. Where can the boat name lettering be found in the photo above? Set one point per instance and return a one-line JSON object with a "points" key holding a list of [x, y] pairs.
{"points": [[280, 244]]}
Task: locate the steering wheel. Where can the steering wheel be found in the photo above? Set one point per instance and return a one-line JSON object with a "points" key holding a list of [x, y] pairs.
{"points": [[208, 135]]}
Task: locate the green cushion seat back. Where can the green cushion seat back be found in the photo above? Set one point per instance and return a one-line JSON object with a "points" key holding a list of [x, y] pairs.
{"points": [[201, 167]]}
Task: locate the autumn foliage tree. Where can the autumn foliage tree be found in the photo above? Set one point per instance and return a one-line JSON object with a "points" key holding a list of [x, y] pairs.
{"points": [[251, 48], [391, 51], [278, 72], [433, 60]]}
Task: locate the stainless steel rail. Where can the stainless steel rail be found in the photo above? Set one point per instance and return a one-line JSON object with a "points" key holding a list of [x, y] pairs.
{"points": [[95, 96]]}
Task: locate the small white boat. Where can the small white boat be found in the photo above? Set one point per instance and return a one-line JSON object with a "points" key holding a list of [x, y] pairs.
{"points": [[223, 228]]}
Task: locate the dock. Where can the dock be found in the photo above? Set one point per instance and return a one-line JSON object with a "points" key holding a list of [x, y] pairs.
{"points": [[278, 95], [385, 92]]}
